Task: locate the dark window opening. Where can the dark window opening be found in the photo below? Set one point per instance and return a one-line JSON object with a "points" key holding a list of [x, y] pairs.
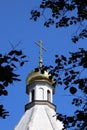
{"points": [[48, 95], [32, 95]]}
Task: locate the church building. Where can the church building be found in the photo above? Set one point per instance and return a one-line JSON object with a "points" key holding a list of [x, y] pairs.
{"points": [[40, 112]]}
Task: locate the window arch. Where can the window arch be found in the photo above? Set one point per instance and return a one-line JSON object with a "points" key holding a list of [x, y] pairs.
{"points": [[41, 93], [48, 95]]}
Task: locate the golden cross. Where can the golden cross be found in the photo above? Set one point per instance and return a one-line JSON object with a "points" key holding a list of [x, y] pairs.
{"points": [[40, 53]]}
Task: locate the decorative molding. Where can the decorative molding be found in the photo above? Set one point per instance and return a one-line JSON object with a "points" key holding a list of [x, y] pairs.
{"points": [[39, 102]]}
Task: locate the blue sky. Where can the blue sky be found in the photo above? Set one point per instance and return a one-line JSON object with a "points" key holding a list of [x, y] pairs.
{"points": [[16, 26]]}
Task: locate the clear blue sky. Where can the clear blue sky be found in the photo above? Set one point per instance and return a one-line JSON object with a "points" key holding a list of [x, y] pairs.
{"points": [[16, 26]]}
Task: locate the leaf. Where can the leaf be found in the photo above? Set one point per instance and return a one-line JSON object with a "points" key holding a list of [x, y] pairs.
{"points": [[56, 68], [69, 62], [15, 75], [42, 71], [23, 56], [16, 79], [22, 63], [59, 78], [56, 56], [18, 53], [73, 90], [1, 92], [15, 59], [63, 58], [66, 87], [60, 83], [73, 76], [5, 92], [75, 39], [14, 65], [56, 75], [5, 83], [0, 55], [85, 89], [11, 53], [50, 66], [57, 60], [50, 77], [85, 65], [80, 116], [70, 119], [74, 65], [1, 106], [71, 72], [36, 69], [1, 86], [66, 73], [66, 83]]}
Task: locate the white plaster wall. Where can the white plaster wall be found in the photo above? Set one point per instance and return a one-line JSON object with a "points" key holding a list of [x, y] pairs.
{"points": [[38, 94], [39, 117], [39, 120]]}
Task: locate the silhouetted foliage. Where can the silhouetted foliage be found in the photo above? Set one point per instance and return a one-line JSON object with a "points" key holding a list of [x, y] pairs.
{"points": [[64, 13], [8, 64], [71, 73], [3, 113]]}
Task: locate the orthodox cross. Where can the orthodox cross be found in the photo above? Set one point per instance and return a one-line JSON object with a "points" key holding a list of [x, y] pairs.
{"points": [[40, 53]]}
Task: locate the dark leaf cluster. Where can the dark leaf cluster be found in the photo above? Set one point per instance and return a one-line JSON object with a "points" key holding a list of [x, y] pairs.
{"points": [[77, 101], [71, 73], [78, 121], [8, 65], [71, 70], [3, 112], [64, 13]]}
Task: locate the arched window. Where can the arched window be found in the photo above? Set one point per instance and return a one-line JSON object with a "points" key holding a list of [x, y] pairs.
{"points": [[32, 95], [48, 95], [41, 93]]}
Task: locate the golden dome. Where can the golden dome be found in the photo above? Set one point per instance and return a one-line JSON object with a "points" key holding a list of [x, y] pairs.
{"points": [[39, 75]]}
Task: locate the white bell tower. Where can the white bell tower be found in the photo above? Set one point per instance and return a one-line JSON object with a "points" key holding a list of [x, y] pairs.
{"points": [[40, 111]]}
